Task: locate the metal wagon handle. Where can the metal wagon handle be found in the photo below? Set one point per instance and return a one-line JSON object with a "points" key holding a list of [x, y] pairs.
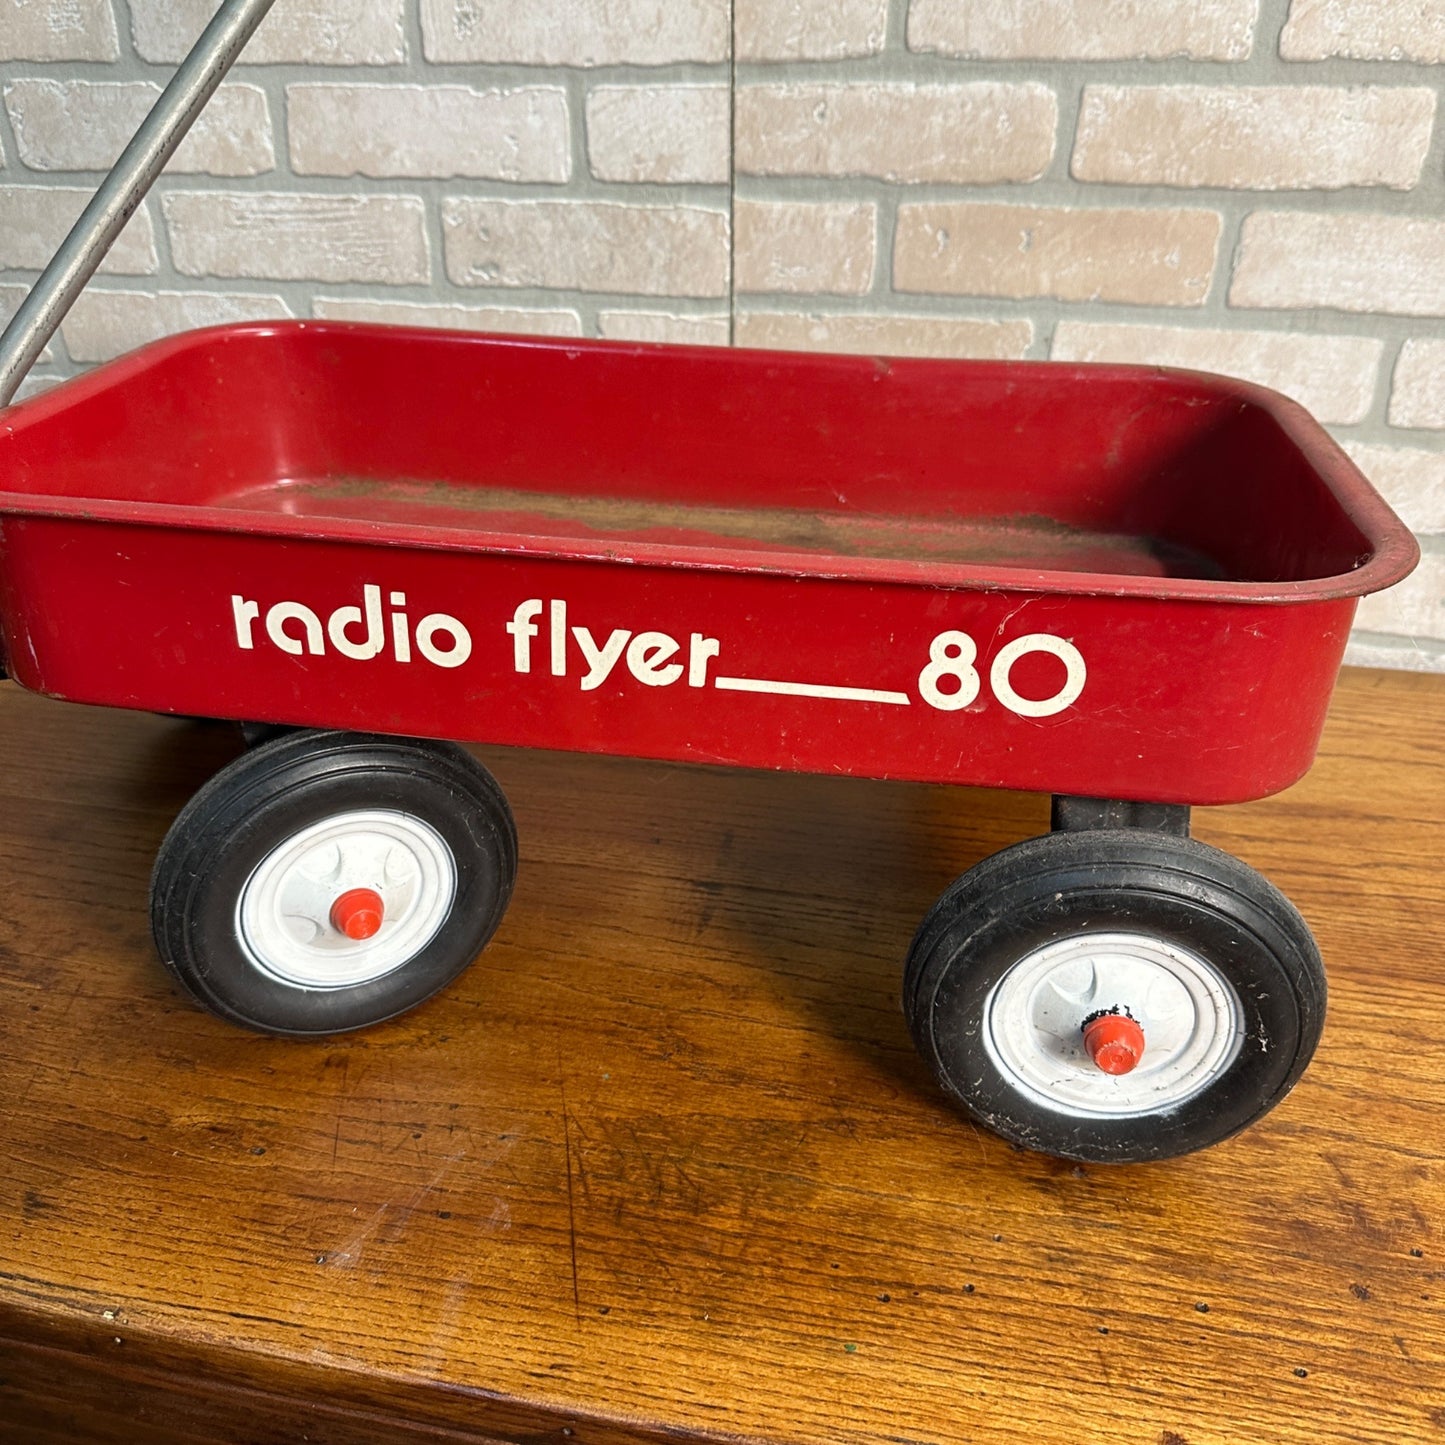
{"points": [[124, 188]]}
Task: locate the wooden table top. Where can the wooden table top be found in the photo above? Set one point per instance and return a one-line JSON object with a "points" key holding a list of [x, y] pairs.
{"points": [[663, 1165]]}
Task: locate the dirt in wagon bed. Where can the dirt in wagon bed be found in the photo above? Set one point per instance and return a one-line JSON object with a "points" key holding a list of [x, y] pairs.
{"points": [[1032, 542]]}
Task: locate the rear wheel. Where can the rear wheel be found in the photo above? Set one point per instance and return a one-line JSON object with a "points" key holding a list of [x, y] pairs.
{"points": [[327, 881], [1115, 995]]}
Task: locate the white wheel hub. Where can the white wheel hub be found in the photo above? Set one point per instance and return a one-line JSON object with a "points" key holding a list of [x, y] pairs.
{"points": [[1035, 1015], [284, 915]]}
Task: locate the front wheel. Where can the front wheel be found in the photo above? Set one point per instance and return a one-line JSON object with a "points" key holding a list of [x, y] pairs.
{"points": [[1115, 995], [327, 881]]}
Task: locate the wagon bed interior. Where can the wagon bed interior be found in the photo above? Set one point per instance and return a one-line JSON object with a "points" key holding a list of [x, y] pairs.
{"points": [[691, 454], [1035, 542]]}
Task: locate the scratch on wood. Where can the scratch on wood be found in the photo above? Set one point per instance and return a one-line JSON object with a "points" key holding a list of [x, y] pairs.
{"points": [[1103, 1366], [571, 1200], [351, 1252]]}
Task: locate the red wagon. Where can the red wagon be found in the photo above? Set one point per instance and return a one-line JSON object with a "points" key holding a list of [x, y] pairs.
{"points": [[1128, 588]]}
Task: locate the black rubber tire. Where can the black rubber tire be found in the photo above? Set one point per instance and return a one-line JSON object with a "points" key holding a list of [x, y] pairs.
{"points": [[272, 792], [1065, 884]]}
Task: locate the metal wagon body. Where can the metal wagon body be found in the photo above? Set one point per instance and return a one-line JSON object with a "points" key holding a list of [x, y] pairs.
{"points": [[1104, 581]]}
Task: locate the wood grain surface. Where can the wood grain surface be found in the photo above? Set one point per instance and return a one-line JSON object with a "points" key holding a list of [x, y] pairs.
{"points": [[663, 1167]]}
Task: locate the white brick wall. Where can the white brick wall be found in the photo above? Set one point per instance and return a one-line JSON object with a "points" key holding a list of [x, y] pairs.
{"points": [[1365, 30], [34, 220], [576, 32], [58, 30], [1332, 376], [283, 236], [1266, 138], [807, 30], [1417, 395], [305, 32], [1341, 262], [610, 246], [104, 323], [1158, 257], [1414, 609], [429, 130], [664, 326], [974, 134], [1252, 186], [1412, 481], [819, 247], [448, 317], [911, 335], [662, 133], [1084, 29], [83, 125]]}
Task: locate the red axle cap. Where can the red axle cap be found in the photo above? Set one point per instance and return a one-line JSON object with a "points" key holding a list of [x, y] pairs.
{"points": [[1115, 1042], [358, 913]]}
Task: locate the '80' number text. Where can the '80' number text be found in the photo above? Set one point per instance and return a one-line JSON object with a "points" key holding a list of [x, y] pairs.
{"points": [[951, 658]]}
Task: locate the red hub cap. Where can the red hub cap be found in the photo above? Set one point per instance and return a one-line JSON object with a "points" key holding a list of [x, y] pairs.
{"points": [[358, 913], [1115, 1042]]}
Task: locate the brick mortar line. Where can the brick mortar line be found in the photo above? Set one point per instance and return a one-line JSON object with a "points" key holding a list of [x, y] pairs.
{"points": [[926, 68], [275, 93], [165, 259], [1045, 193], [1070, 102], [1416, 438], [1423, 202], [398, 76], [124, 30], [1434, 164], [1429, 645], [1271, 18], [438, 277], [900, 307], [1226, 265], [411, 36], [704, 195], [11, 142], [885, 225], [579, 138], [1377, 417], [882, 68], [1429, 650], [478, 75], [1395, 338], [1306, 322], [303, 292]]}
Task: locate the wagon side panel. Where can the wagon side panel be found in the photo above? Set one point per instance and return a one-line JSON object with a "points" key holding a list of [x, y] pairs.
{"points": [[1167, 700]]}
